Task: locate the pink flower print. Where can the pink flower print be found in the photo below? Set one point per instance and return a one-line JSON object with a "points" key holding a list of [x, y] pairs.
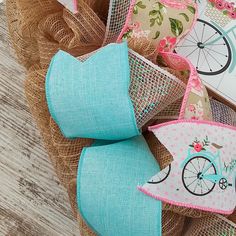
{"points": [[229, 6], [232, 14], [194, 118], [167, 44], [198, 147], [197, 84], [135, 26], [200, 113], [192, 108], [213, 1], [220, 4]]}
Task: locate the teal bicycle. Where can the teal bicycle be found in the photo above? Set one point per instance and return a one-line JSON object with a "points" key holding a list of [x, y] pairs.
{"points": [[210, 48], [203, 170]]}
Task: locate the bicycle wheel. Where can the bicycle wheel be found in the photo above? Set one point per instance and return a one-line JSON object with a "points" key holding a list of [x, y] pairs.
{"points": [[191, 176], [223, 183], [206, 48], [161, 176]]}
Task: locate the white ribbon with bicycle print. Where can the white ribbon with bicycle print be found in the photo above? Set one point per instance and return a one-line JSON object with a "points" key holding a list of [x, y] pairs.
{"points": [[71, 5], [203, 172]]}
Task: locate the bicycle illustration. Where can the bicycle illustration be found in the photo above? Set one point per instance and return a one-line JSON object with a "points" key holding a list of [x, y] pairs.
{"points": [[201, 171], [210, 48], [161, 176]]}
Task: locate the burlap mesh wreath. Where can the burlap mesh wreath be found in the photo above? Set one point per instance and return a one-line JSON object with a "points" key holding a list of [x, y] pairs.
{"points": [[39, 28]]}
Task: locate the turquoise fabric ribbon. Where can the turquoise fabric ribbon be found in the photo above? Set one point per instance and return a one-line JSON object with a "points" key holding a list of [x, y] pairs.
{"points": [[107, 194], [90, 99]]}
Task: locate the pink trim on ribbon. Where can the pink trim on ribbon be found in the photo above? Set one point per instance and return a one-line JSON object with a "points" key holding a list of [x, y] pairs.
{"points": [[175, 4], [206, 122], [75, 6], [191, 67], [131, 8], [182, 204], [128, 19], [192, 75]]}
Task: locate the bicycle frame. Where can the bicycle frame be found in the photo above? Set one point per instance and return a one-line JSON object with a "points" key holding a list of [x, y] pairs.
{"points": [[225, 34], [213, 159], [213, 178]]}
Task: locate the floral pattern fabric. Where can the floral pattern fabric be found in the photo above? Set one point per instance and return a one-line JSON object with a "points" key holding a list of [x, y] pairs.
{"points": [[227, 8], [198, 103], [196, 106], [156, 20]]}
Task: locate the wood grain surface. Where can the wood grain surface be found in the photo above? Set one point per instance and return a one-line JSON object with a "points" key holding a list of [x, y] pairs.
{"points": [[32, 201]]}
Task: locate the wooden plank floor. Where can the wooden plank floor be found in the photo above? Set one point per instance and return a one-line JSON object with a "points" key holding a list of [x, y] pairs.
{"points": [[32, 201]]}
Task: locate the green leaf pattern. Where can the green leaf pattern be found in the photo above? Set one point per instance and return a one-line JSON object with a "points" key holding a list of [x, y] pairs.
{"points": [[191, 9], [176, 27], [138, 5], [185, 16], [157, 14], [157, 35]]}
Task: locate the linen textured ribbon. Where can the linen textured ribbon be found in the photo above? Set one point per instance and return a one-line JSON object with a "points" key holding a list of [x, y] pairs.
{"points": [[90, 99], [107, 195]]}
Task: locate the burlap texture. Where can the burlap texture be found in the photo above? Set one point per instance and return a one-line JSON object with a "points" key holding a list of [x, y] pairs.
{"points": [[39, 28]]}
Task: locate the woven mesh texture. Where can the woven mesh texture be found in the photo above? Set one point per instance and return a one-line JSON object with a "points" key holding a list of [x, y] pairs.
{"points": [[172, 223], [152, 89], [118, 11], [172, 111], [222, 113], [39, 28], [143, 47], [212, 225], [233, 217]]}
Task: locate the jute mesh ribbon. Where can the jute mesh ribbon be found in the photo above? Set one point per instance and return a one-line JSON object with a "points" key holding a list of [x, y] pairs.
{"points": [[39, 28]]}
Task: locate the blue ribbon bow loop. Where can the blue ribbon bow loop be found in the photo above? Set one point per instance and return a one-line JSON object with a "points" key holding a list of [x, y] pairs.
{"points": [[107, 195], [90, 99]]}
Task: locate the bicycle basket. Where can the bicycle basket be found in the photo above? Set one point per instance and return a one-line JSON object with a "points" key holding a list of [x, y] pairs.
{"points": [[217, 15]]}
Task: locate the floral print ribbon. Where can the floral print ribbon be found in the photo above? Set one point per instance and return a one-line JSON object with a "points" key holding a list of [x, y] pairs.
{"points": [[162, 22]]}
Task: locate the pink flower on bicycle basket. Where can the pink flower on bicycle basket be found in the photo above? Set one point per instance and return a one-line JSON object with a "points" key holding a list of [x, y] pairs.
{"points": [[232, 14], [198, 147], [229, 6], [220, 4], [167, 44]]}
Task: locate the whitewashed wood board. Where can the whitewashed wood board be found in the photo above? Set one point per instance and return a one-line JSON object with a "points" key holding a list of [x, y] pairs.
{"points": [[32, 201]]}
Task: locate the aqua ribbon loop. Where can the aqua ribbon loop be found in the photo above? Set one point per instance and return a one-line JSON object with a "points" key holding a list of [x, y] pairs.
{"points": [[107, 194], [90, 99]]}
